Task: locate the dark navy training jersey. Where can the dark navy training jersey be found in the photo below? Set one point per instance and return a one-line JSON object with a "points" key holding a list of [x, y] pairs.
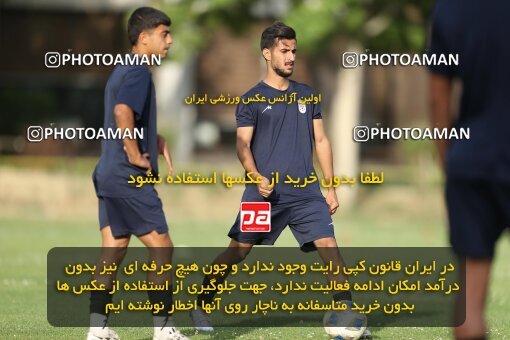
{"points": [[477, 31], [133, 86], [282, 140]]}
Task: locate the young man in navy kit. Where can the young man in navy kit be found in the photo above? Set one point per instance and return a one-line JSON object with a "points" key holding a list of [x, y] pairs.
{"points": [[478, 169], [280, 137], [125, 210]]}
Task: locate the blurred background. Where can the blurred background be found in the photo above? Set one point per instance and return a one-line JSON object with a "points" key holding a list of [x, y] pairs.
{"points": [[46, 193]]}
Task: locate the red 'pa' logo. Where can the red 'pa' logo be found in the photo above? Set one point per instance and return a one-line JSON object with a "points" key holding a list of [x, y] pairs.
{"points": [[255, 217]]}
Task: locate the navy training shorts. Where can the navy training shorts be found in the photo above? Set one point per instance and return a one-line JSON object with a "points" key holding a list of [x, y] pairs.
{"points": [[478, 213], [137, 215], [308, 220]]}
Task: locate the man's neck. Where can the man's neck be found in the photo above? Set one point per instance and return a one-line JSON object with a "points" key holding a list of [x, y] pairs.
{"points": [[276, 81], [140, 53], [138, 50]]}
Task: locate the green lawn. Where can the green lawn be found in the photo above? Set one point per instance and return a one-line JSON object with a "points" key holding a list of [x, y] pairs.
{"points": [[22, 284], [395, 214]]}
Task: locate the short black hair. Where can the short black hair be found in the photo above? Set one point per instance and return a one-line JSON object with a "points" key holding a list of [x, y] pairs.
{"points": [[145, 18], [275, 32]]}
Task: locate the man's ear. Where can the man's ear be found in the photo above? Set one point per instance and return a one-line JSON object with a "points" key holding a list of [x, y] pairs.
{"points": [[266, 53], [142, 38]]}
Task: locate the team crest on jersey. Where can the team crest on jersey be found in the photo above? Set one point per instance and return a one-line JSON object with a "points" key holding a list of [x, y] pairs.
{"points": [[302, 106]]}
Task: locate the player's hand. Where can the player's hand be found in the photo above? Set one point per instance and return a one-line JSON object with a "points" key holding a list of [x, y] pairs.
{"points": [[141, 161], [265, 189], [332, 201], [163, 150]]}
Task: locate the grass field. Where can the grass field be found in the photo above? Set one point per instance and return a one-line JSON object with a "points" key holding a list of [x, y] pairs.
{"points": [[42, 209]]}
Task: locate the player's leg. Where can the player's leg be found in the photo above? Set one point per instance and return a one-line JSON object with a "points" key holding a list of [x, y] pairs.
{"points": [[312, 227], [477, 273], [329, 253], [478, 212], [148, 223], [160, 248], [113, 251], [240, 246], [155, 239], [235, 253]]}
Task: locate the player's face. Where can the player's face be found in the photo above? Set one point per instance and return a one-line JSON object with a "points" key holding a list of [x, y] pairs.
{"points": [[283, 56], [159, 40]]}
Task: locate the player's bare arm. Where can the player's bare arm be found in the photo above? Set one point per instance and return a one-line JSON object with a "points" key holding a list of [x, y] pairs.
{"points": [[440, 99], [244, 136], [163, 150], [125, 119], [325, 157]]}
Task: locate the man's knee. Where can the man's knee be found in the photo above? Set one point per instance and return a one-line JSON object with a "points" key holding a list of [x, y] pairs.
{"points": [[237, 251], [154, 239], [111, 241], [327, 242], [113, 254]]}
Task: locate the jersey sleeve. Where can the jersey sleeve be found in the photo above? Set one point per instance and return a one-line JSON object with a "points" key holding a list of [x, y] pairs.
{"points": [[245, 115], [134, 90], [316, 110], [438, 44]]}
